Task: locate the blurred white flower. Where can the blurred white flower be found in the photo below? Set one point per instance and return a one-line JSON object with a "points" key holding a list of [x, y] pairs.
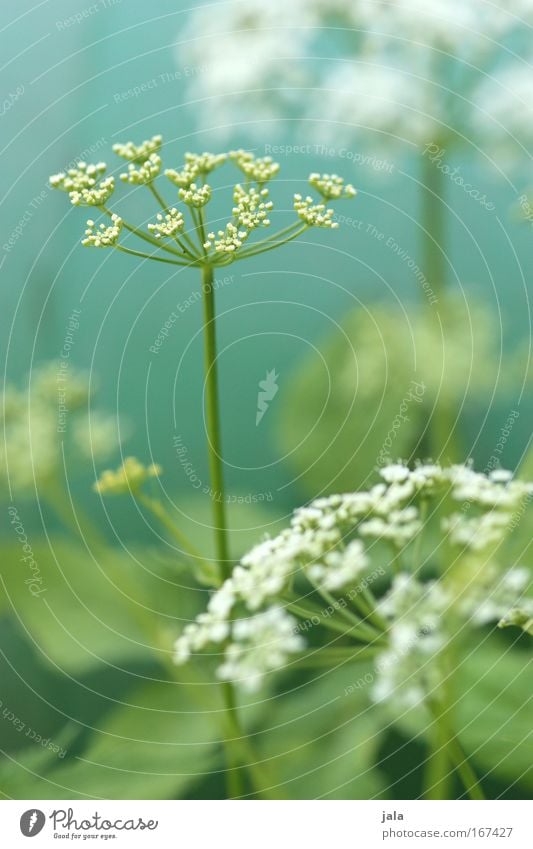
{"points": [[394, 61], [328, 545]]}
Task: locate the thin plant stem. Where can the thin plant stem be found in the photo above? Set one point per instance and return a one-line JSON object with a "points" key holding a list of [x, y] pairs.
{"points": [[465, 771], [234, 776], [349, 617], [332, 656], [213, 422], [366, 602], [442, 436], [346, 629], [133, 252], [438, 771], [453, 751], [253, 252], [158, 510]]}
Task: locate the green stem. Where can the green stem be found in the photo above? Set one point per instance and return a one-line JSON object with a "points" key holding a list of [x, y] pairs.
{"points": [[465, 771], [345, 614], [213, 422], [188, 248], [219, 513], [433, 224], [161, 514], [331, 657], [234, 776], [275, 237], [366, 602], [442, 436], [253, 252], [438, 769], [347, 630], [132, 252]]}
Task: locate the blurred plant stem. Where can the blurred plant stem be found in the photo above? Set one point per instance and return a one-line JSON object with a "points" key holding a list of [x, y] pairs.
{"points": [[208, 571], [448, 756], [442, 429]]}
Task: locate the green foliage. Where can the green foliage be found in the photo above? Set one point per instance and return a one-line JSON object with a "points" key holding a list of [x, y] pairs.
{"points": [[390, 385]]}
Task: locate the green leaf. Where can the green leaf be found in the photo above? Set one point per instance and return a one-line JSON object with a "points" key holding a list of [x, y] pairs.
{"points": [[321, 739], [155, 746]]}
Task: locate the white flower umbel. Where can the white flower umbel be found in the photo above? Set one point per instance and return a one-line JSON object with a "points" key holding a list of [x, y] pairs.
{"points": [[98, 195], [333, 544], [331, 186], [196, 196], [143, 174], [251, 208], [229, 240], [259, 644], [138, 153], [196, 245], [83, 176], [314, 214], [259, 169], [409, 72], [102, 236], [168, 224]]}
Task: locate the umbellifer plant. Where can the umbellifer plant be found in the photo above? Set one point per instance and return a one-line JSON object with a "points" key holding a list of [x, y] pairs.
{"points": [[180, 235]]}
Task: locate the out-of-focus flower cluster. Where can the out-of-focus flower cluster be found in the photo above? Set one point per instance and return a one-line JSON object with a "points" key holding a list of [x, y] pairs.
{"points": [[331, 545], [403, 64], [129, 477], [48, 423]]}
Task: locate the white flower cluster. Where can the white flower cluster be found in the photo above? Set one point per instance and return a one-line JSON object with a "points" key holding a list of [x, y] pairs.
{"points": [[314, 214], [96, 196], [259, 644], [129, 477], [196, 164], [326, 543], [103, 236], [138, 153], [145, 173], [424, 618], [37, 439], [83, 176], [204, 163], [196, 196], [252, 208], [395, 70], [259, 169], [167, 225], [229, 240], [331, 186]]}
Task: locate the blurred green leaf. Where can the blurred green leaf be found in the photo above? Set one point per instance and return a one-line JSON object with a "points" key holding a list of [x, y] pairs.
{"points": [[494, 710], [320, 742], [154, 747], [372, 398]]}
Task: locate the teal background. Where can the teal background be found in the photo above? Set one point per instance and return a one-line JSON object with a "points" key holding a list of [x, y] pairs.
{"points": [[74, 79]]}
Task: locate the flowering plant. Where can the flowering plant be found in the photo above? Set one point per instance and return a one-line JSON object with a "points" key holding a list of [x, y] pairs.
{"points": [[180, 235], [429, 538]]}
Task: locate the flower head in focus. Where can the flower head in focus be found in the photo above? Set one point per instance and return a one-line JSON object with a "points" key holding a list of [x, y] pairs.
{"points": [[181, 230]]}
